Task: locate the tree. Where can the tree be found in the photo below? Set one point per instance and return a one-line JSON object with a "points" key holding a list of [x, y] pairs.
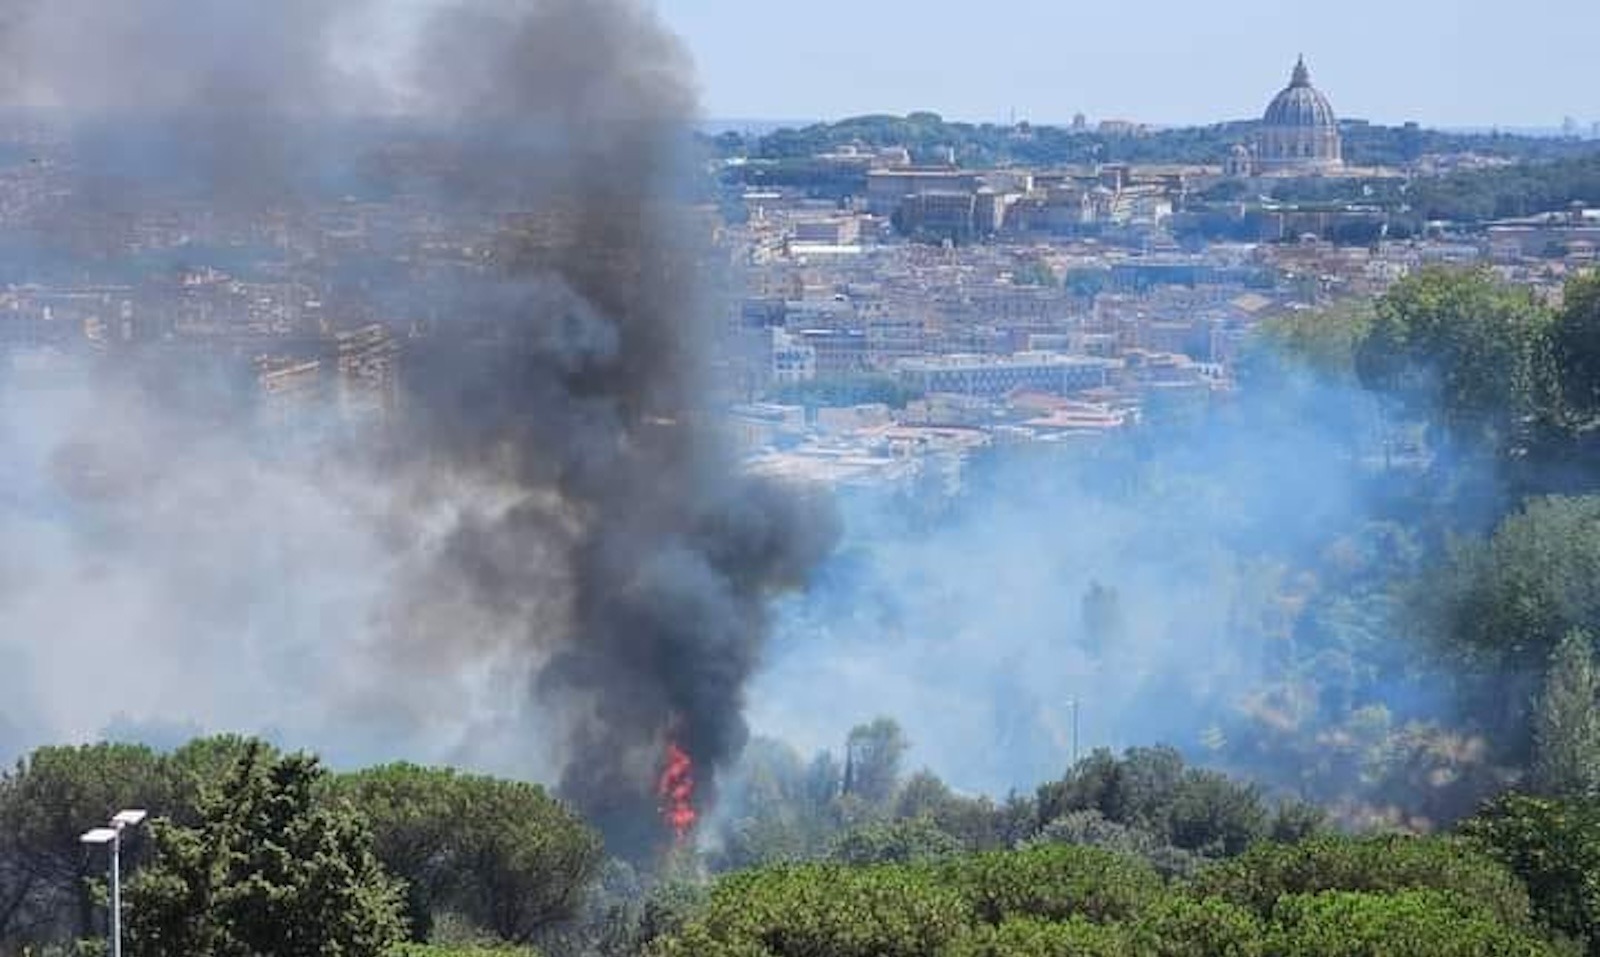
{"points": [[1091, 829], [1214, 816], [415, 821], [1263, 875], [1465, 351], [1412, 923], [816, 910], [1182, 926], [266, 871], [1553, 846], [1053, 881], [1151, 789], [503, 854], [1567, 721], [775, 809], [1577, 345], [894, 842], [975, 823], [1495, 611], [1027, 937], [872, 760], [1324, 341], [205, 763], [52, 797]]}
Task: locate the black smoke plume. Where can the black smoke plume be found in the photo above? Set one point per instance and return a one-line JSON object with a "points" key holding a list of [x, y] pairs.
{"points": [[556, 505], [586, 398]]}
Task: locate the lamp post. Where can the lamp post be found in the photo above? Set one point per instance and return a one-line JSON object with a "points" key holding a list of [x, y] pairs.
{"points": [[112, 836], [1073, 704]]}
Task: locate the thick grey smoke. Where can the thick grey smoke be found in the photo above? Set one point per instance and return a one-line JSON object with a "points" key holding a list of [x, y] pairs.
{"points": [[553, 518], [1221, 586], [585, 399]]}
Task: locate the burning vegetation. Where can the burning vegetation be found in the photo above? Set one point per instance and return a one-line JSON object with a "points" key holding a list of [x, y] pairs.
{"points": [[676, 791]]}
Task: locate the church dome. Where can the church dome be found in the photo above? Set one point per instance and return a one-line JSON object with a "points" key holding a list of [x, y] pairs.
{"points": [[1300, 104], [1299, 133]]}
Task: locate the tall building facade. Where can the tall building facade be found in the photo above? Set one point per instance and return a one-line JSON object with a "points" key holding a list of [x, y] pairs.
{"points": [[1299, 132]]}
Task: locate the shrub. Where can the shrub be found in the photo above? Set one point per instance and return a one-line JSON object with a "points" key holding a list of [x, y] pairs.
{"points": [[1027, 937], [1053, 881], [1413, 923], [1260, 877]]}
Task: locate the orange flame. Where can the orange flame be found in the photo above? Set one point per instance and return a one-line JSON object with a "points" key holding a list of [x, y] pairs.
{"points": [[676, 790]]}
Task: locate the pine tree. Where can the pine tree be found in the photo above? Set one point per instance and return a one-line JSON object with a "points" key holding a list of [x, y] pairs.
{"points": [[1567, 725], [267, 871]]}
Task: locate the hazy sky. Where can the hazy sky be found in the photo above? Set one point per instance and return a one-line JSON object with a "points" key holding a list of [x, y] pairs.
{"points": [[1440, 62]]}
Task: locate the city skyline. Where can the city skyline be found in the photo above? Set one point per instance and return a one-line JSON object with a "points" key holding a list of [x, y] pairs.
{"points": [[1471, 66]]}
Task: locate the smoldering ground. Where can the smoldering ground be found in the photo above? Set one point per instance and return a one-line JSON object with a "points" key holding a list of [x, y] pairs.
{"points": [[550, 563]]}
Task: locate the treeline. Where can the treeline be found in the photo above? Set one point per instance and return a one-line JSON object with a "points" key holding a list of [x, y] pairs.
{"points": [[1523, 189], [1326, 897], [253, 851], [1148, 803], [1133, 855], [930, 138], [258, 852]]}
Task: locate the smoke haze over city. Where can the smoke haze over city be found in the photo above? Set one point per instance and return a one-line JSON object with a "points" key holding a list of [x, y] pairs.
{"points": [[449, 398], [553, 564]]}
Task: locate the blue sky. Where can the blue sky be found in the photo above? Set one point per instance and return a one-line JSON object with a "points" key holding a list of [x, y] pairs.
{"points": [[1440, 62]]}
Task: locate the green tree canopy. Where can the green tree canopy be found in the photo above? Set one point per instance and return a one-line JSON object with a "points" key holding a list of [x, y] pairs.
{"points": [[1554, 847], [1153, 790], [1266, 873], [1464, 350], [899, 842], [46, 802], [1567, 721], [266, 871], [1411, 923], [1577, 345], [1499, 607], [503, 854], [873, 754]]}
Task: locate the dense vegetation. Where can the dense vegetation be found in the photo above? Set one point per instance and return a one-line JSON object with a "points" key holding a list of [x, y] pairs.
{"points": [[1509, 191], [256, 852], [1325, 896], [262, 853], [931, 138]]}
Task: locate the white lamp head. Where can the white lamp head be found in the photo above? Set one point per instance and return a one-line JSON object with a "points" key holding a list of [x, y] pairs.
{"points": [[100, 835]]}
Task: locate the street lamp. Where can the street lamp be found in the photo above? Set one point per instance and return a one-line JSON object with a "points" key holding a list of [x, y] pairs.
{"points": [[1073, 704], [112, 835]]}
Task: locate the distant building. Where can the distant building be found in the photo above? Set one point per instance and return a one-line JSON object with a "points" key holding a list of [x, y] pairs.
{"points": [[979, 375], [953, 216], [828, 231], [1241, 163], [792, 360], [1299, 133], [888, 189], [1122, 128], [838, 353]]}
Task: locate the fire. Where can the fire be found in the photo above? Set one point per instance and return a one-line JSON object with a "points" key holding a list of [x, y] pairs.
{"points": [[675, 788]]}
